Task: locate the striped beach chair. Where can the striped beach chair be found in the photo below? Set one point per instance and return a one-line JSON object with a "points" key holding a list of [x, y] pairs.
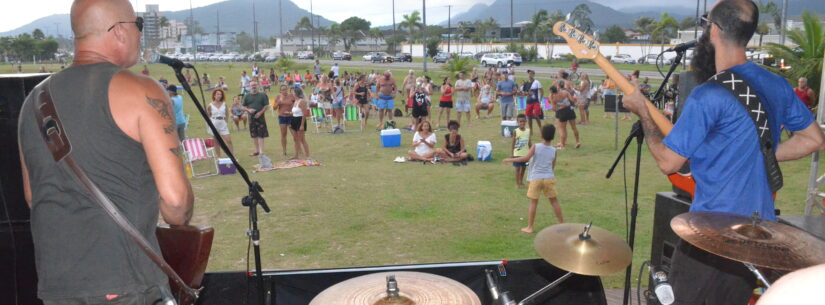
{"points": [[352, 114], [546, 105], [195, 151]]}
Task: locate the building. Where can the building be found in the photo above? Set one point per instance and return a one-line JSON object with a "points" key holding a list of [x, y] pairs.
{"points": [[151, 25]]}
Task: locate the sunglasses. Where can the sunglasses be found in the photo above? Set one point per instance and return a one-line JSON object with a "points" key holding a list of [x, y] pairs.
{"points": [[705, 22], [138, 22]]}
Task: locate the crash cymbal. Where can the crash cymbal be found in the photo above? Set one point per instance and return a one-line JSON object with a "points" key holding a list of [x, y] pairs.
{"points": [[420, 288], [595, 252], [745, 239]]}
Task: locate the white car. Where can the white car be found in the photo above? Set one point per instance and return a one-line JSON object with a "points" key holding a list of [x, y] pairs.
{"points": [[368, 56], [622, 59], [465, 54], [512, 58], [493, 59], [650, 59], [215, 57]]}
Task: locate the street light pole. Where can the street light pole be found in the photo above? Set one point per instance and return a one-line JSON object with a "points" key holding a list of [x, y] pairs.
{"points": [[424, 33], [393, 26], [311, 26], [449, 27], [254, 28], [511, 20], [281, 27], [192, 28]]}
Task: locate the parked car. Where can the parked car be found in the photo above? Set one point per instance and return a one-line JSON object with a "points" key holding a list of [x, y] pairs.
{"points": [[442, 57], [339, 55], [402, 57], [512, 58], [622, 59], [215, 57], [650, 59], [478, 55], [493, 59], [465, 54], [306, 55], [368, 56], [272, 57], [381, 57]]}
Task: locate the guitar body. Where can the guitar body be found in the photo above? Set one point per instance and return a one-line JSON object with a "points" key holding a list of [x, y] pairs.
{"points": [[186, 249], [585, 47]]}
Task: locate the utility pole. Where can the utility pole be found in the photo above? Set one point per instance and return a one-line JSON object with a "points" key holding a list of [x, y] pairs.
{"points": [[449, 27], [311, 26], [696, 26], [511, 20], [424, 33], [218, 33], [784, 21], [57, 29], [393, 26], [281, 28], [192, 28], [254, 28]]}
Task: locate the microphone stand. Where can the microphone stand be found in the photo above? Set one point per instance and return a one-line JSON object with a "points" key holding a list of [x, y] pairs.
{"points": [[638, 133], [252, 200]]}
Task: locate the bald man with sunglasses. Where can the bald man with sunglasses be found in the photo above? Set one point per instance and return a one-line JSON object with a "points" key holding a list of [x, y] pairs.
{"points": [[122, 130]]}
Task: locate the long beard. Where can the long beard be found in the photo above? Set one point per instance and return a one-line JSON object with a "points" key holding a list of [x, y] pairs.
{"points": [[703, 63]]}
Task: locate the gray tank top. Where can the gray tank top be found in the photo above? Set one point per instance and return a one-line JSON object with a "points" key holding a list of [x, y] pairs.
{"points": [[79, 250], [542, 163]]}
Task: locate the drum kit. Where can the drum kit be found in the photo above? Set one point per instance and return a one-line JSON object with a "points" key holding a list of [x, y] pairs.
{"points": [[588, 250]]}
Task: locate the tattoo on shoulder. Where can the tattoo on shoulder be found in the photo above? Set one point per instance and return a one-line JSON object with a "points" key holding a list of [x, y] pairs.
{"points": [[175, 151], [162, 108]]}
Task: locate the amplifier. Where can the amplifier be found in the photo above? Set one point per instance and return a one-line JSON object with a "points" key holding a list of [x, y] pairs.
{"points": [[663, 245]]}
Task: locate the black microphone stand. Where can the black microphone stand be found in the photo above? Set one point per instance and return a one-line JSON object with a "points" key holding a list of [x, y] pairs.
{"points": [[638, 133], [252, 200]]}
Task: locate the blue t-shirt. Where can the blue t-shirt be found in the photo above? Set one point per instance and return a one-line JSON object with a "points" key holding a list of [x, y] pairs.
{"points": [[506, 86], [715, 132], [177, 105]]}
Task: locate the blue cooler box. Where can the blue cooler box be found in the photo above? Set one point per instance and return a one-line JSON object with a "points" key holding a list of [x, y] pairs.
{"points": [[508, 127], [484, 151], [225, 166], [391, 137]]}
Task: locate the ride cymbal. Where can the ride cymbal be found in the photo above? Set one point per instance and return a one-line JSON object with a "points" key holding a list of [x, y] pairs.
{"points": [[583, 249], [750, 240], [420, 288]]}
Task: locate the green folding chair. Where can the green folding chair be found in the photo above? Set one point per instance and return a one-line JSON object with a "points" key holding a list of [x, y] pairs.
{"points": [[318, 118], [352, 114]]}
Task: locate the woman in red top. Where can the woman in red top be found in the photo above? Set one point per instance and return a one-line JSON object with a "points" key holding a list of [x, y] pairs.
{"points": [[446, 102], [805, 93]]}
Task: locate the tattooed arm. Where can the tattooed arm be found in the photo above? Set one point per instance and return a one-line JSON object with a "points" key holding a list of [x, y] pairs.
{"points": [[141, 108]]}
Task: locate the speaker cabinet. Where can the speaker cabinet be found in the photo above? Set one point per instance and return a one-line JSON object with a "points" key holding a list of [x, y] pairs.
{"points": [[668, 205]]}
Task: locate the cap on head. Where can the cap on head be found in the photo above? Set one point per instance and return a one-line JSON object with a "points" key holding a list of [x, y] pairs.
{"points": [[172, 88]]}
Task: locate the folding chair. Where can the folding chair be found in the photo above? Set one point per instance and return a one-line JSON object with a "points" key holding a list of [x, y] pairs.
{"points": [[195, 150], [352, 114], [318, 118]]}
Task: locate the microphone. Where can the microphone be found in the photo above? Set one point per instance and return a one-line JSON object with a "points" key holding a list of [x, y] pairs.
{"points": [[156, 58], [683, 46], [663, 290]]}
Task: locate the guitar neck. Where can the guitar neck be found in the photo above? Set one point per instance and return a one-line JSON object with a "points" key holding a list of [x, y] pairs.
{"points": [[661, 121]]}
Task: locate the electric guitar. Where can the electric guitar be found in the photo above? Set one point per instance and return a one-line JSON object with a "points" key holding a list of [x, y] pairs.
{"points": [[585, 47]]}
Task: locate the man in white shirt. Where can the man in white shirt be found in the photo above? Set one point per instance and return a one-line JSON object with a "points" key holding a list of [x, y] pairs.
{"points": [[462, 96], [335, 71], [244, 82], [534, 95]]}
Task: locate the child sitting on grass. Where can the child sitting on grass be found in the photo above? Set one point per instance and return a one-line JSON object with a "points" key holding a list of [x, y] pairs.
{"points": [[542, 176], [521, 145]]}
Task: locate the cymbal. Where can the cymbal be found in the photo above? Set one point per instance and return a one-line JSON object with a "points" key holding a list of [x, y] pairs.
{"points": [[598, 253], [420, 288], [759, 242]]}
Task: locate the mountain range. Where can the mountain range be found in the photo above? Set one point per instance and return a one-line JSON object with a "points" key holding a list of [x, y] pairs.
{"points": [[235, 15]]}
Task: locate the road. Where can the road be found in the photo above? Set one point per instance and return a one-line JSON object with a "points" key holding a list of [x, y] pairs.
{"points": [[432, 66]]}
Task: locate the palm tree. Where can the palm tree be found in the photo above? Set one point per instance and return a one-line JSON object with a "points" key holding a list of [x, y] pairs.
{"points": [[411, 22], [303, 23], [333, 35], [465, 29], [580, 18], [770, 8], [537, 23], [491, 25], [805, 60], [555, 17], [665, 27], [762, 29], [375, 34], [163, 22]]}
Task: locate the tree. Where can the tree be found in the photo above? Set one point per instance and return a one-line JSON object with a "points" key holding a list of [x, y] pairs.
{"points": [[37, 34], [666, 27], [459, 64], [352, 30], [245, 42], [770, 8], [580, 18], [762, 29], [303, 23], [411, 22], [805, 60], [645, 26], [333, 35], [534, 29], [433, 46], [465, 30], [613, 34], [375, 34], [687, 23]]}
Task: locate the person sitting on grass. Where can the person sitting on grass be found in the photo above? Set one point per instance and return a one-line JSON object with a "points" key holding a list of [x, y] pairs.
{"points": [[521, 145], [542, 176], [453, 150], [423, 143]]}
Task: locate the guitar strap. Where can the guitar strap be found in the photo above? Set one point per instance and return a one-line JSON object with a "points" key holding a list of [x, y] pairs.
{"points": [[747, 97], [53, 133]]}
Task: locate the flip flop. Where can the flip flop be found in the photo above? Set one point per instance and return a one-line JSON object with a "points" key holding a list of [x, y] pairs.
{"points": [[253, 154], [578, 145]]}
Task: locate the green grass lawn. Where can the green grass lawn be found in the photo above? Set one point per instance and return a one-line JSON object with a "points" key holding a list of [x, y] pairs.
{"points": [[359, 208]]}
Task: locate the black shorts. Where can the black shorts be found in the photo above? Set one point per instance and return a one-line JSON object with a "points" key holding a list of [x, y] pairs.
{"points": [[295, 124], [565, 114], [362, 101], [445, 104], [420, 111]]}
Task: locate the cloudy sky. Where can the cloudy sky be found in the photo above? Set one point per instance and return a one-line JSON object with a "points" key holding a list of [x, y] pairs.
{"points": [[375, 11]]}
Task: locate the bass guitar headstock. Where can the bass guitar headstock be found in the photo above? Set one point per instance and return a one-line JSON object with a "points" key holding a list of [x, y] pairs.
{"points": [[582, 45]]}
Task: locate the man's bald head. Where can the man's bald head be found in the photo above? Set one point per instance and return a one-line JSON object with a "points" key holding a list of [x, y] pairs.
{"points": [[737, 20], [94, 17]]}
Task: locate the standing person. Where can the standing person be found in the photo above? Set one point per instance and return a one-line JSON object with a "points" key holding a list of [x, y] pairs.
{"points": [[423, 143], [409, 86], [283, 103], [805, 93], [608, 88], [445, 104], [123, 133], [506, 89], [334, 70], [485, 99], [238, 113], [520, 147], [245, 79], [273, 78], [299, 123], [476, 83], [560, 98], [542, 176], [316, 69], [718, 137], [453, 150], [362, 95], [217, 114], [255, 70], [177, 105], [583, 98], [428, 91], [463, 91], [574, 68], [534, 94], [386, 98], [144, 72], [256, 104], [325, 95], [338, 103], [420, 107]]}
